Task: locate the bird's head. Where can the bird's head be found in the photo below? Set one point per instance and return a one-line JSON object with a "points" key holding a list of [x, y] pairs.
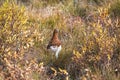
{"points": [[56, 31]]}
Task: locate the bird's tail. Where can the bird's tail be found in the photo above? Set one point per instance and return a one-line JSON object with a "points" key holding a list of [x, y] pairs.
{"points": [[48, 46]]}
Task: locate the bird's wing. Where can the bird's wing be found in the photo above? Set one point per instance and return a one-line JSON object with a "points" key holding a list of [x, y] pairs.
{"points": [[54, 43]]}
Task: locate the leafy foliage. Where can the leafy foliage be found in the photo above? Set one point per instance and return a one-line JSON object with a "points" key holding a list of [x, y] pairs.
{"points": [[115, 8], [14, 39], [90, 40]]}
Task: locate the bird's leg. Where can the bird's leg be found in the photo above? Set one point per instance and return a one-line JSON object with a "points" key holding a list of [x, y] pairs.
{"points": [[56, 54]]}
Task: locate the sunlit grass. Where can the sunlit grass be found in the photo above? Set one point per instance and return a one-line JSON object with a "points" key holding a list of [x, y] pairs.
{"points": [[89, 36]]}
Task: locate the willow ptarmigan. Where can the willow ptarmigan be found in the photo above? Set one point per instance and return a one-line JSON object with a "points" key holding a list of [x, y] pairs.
{"points": [[55, 43]]}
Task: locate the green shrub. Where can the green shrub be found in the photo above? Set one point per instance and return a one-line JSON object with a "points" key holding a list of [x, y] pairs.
{"points": [[13, 37], [115, 9], [76, 9]]}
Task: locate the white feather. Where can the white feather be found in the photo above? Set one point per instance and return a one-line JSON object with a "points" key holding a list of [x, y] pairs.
{"points": [[56, 49]]}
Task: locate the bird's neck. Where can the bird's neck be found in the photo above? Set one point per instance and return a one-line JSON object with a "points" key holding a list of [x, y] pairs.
{"points": [[55, 36]]}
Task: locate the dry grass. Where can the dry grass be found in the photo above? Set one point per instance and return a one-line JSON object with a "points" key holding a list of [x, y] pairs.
{"points": [[89, 31]]}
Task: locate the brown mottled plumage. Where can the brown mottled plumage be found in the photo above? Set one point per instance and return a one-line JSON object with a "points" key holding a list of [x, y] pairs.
{"points": [[54, 40], [55, 43]]}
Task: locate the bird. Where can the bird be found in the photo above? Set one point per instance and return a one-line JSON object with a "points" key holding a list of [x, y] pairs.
{"points": [[55, 43]]}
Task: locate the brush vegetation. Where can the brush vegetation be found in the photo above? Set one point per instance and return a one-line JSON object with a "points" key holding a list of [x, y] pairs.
{"points": [[89, 31]]}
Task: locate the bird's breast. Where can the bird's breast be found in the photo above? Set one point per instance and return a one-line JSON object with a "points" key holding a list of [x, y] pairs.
{"points": [[55, 48]]}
